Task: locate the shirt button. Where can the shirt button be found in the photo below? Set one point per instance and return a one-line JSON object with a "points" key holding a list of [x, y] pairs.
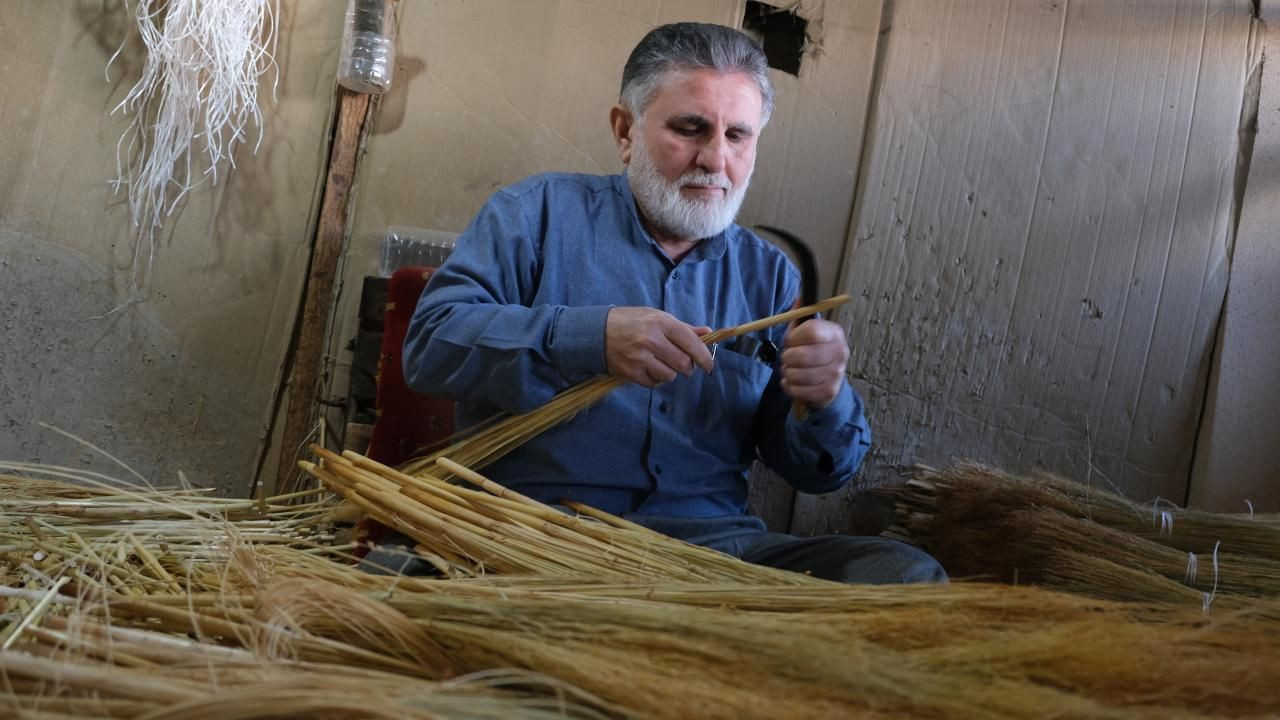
{"points": [[675, 275], [662, 407], [657, 469]]}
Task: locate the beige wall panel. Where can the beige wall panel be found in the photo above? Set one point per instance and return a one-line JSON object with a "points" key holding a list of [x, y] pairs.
{"points": [[1040, 249], [182, 380], [1238, 458]]}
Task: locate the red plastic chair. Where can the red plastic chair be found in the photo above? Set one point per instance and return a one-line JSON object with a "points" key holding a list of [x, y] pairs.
{"points": [[407, 422]]}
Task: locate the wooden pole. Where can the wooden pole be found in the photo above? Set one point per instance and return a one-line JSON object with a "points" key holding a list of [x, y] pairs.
{"points": [[304, 363]]}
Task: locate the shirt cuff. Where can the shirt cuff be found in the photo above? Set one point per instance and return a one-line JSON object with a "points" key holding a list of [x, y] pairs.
{"points": [[826, 423], [577, 340]]}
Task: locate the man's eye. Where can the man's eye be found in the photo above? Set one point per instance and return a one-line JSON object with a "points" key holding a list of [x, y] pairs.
{"points": [[687, 131]]}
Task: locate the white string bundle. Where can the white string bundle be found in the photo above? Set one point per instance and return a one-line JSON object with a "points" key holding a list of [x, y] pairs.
{"points": [[199, 83], [1165, 517], [1190, 577], [1209, 596]]}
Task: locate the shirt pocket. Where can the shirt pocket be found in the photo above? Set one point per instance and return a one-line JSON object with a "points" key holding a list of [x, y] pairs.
{"points": [[728, 402]]}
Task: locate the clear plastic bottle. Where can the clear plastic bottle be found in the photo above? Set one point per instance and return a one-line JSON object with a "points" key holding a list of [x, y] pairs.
{"points": [[368, 46], [409, 246]]}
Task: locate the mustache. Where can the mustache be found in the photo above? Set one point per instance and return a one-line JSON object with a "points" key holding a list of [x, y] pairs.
{"points": [[706, 180]]}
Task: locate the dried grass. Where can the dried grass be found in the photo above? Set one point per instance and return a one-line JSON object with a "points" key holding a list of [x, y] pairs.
{"points": [[277, 629], [983, 523], [471, 532]]}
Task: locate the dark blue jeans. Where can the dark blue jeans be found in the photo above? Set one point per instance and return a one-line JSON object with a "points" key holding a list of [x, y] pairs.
{"points": [[842, 558]]}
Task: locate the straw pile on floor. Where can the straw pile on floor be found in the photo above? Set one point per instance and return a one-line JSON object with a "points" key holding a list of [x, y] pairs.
{"points": [[288, 628], [126, 602], [982, 523]]}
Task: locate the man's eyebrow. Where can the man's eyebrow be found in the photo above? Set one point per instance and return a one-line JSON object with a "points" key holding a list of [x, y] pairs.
{"points": [[689, 119], [700, 122]]}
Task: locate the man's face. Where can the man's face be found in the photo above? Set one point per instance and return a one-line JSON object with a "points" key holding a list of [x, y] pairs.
{"points": [[691, 156]]}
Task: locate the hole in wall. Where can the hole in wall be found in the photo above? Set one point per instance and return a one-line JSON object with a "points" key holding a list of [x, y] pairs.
{"points": [[781, 33]]}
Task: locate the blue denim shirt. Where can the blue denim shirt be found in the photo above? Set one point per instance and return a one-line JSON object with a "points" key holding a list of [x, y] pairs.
{"points": [[517, 314]]}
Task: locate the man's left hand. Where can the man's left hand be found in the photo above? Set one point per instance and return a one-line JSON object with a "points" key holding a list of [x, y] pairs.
{"points": [[814, 361]]}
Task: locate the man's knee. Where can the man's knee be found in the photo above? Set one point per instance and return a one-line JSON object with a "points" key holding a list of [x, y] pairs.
{"points": [[852, 559], [885, 561]]}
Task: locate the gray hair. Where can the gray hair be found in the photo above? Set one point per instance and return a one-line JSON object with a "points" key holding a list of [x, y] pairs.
{"points": [[692, 46]]}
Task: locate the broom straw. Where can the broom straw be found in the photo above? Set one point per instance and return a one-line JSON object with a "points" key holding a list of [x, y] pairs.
{"points": [[657, 649], [498, 530], [985, 523]]}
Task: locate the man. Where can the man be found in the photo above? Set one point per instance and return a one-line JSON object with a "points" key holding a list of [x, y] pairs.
{"points": [[562, 277]]}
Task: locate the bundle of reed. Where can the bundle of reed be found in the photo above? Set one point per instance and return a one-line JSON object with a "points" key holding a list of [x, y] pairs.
{"points": [[1161, 521], [100, 625], [665, 651], [467, 532], [70, 497], [509, 432], [102, 536], [661, 650], [984, 523], [86, 669]]}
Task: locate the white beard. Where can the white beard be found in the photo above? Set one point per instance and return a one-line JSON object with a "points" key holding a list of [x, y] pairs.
{"points": [[672, 213]]}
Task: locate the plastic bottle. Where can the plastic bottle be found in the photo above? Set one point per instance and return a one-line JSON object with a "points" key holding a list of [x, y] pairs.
{"points": [[410, 246], [368, 46]]}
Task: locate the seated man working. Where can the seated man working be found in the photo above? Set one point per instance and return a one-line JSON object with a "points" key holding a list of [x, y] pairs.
{"points": [[562, 277]]}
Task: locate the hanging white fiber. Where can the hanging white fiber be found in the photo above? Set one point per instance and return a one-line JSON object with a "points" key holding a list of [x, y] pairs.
{"points": [[199, 84]]}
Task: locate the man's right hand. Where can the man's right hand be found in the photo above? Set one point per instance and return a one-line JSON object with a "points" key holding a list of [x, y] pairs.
{"points": [[648, 346]]}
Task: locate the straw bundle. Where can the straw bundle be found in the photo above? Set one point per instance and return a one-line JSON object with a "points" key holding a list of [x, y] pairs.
{"points": [[90, 670], [983, 523], [470, 532], [105, 537], [960, 651], [287, 631], [124, 602], [907, 662]]}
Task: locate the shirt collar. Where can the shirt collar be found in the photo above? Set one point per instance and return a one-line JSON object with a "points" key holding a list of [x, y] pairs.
{"points": [[711, 248]]}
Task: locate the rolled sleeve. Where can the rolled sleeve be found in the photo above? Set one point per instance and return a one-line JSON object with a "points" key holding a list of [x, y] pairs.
{"points": [[576, 344], [821, 452]]}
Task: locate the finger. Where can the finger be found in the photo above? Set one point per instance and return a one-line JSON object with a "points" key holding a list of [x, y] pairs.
{"points": [[810, 374], [815, 331], [701, 330], [812, 356], [817, 396], [685, 339], [815, 382], [672, 357], [810, 377], [659, 374]]}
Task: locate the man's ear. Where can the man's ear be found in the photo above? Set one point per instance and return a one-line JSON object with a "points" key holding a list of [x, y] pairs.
{"points": [[622, 123]]}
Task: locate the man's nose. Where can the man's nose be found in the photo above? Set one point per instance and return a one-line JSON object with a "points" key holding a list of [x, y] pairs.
{"points": [[713, 154]]}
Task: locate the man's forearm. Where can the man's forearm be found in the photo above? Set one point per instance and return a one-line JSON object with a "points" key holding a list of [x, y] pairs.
{"points": [[515, 357]]}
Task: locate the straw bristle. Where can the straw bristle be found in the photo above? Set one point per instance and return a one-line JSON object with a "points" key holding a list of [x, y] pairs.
{"points": [[984, 523], [497, 531], [279, 628], [144, 603]]}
